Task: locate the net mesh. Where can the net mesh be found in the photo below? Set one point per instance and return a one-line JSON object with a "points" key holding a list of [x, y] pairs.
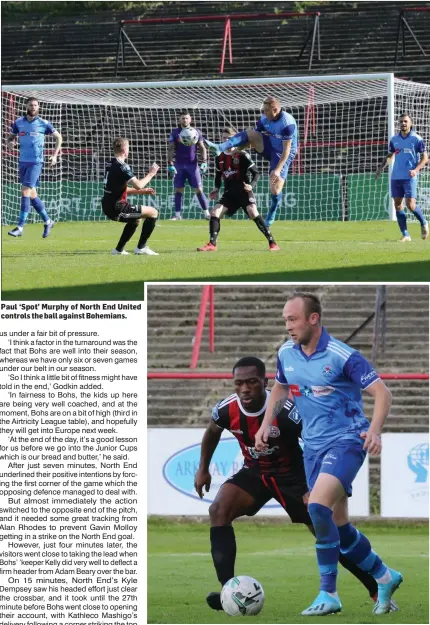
{"points": [[343, 136]]}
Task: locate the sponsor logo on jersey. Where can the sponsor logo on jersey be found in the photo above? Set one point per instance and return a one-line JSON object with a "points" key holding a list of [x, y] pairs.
{"points": [[295, 390], [274, 432], [229, 172], [408, 150], [289, 368], [267, 452], [322, 391]]}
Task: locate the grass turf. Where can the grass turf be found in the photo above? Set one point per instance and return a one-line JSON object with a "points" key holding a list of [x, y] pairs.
{"points": [[74, 262], [282, 558]]}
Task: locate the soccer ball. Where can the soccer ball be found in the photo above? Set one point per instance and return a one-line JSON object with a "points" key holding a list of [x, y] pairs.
{"points": [[189, 136], [242, 595]]}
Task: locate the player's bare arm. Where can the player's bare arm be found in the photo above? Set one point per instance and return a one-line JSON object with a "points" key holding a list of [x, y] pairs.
{"points": [[383, 165], [286, 149], [382, 396], [210, 442], [423, 162], [277, 399], [140, 184], [58, 143]]}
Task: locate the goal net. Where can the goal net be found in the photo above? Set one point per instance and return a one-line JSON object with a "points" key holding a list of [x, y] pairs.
{"points": [[345, 123]]}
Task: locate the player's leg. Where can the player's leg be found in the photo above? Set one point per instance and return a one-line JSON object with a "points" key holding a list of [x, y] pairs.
{"points": [[253, 214], [411, 188], [216, 215], [276, 187], [357, 548], [397, 193], [240, 139], [178, 202], [29, 176], [130, 228], [195, 180], [39, 207], [150, 215]]}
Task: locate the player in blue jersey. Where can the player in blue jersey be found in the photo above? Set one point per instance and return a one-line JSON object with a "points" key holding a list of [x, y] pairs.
{"points": [[183, 165], [410, 157], [31, 130], [275, 138], [326, 378]]}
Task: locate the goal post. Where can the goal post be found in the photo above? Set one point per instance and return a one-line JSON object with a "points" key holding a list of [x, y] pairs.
{"points": [[345, 122]]}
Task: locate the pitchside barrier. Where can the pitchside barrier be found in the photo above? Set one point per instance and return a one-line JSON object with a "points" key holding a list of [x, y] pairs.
{"points": [[345, 123], [174, 453]]}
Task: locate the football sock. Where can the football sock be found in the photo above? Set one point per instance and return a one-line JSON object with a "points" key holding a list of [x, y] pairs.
{"points": [[147, 228], [178, 202], [401, 220], [39, 207], [365, 578], [419, 215], [223, 550], [127, 233], [264, 229], [275, 201], [203, 201], [327, 545], [214, 228], [25, 209], [241, 138], [357, 548]]}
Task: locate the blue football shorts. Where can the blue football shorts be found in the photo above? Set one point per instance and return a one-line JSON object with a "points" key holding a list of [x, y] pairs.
{"points": [[343, 460], [270, 154], [404, 188], [29, 174]]}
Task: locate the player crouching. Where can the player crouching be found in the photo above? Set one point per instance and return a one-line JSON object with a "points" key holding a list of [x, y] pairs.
{"points": [[115, 205], [240, 177]]}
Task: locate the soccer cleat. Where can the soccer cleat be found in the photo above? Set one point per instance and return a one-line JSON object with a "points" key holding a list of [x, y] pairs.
{"points": [[214, 600], [47, 228], [16, 232], [424, 231], [115, 252], [273, 247], [405, 238], [324, 604], [385, 592], [146, 250], [214, 147], [176, 218], [209, 247], [393, 605]]}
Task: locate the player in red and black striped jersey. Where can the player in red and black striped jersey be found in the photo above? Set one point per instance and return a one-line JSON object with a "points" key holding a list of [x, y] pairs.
{"points": [[238, 172], [277, 473], [114, 201]]}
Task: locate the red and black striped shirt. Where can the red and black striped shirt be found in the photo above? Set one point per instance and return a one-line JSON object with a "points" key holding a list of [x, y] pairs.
{"points": [[284, 454]]}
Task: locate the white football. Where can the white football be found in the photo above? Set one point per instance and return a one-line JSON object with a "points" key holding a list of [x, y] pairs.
{"points": [[242, 595], [189, 136]]}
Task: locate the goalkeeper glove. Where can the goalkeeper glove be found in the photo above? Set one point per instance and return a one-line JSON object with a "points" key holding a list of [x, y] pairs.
{"points": [[203, 167], [171, 169]]}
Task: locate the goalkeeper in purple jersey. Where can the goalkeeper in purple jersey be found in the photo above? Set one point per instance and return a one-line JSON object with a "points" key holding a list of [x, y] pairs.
{"points": [[31, 130], [410, 157], [183, 166], [275, 138]]}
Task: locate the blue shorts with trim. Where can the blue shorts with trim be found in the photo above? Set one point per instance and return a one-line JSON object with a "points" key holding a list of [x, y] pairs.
{"points": [[343, 460], [29, 174], [404, 188], [270, 154]]}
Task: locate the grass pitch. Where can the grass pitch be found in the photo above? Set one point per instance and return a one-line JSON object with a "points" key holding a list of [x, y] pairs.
{"points": [[74, 262], [282, 557]]}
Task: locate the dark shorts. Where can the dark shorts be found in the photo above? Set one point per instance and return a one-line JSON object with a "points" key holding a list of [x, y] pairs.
{"points": [[190, 172], [271, 155], [287, 490], [121, 211], [233, 200], [343, 460], [29, 174]]}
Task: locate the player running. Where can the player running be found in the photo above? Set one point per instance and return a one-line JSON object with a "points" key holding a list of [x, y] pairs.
{"points": [[276, 472], [240, 176], [183, 165], [326, 377], [275, 138], [31, 130], [115, 205], [410, 157]]}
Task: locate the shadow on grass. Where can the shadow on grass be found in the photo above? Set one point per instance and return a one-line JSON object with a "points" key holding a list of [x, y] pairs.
{"points": [[404, 272]]}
